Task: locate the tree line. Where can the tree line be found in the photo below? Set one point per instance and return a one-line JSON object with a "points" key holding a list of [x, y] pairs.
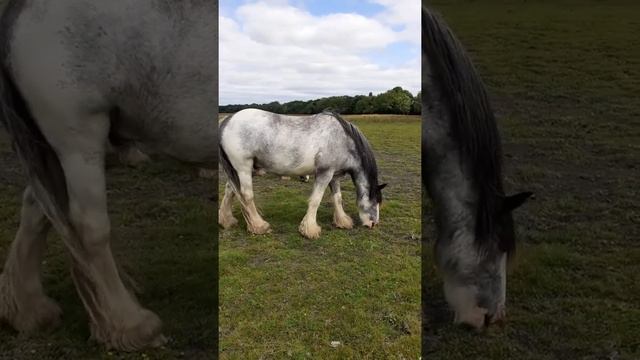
{"points": [[394, 101]]}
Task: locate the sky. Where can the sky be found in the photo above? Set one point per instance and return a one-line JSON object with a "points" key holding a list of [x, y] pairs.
{"points": [[283, 50]]}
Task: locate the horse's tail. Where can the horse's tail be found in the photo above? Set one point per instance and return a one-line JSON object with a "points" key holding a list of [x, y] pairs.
{"points": [[455, 90], [228, 168], [38, 158]]}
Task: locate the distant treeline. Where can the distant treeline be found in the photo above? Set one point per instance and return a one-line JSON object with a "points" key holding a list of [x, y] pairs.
{"points": [[394, 101]]}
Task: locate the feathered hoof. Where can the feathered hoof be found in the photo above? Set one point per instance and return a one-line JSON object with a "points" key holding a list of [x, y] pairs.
{"points": [[309, 230], [260, 228], [27, 315], [226, 220], [141, 331], [342, 221], [473, 319], [499, 317]]}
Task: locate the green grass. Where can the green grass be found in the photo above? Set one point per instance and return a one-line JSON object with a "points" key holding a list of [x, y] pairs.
{"points": [[164, 233], [565, 78], [284, 296]]}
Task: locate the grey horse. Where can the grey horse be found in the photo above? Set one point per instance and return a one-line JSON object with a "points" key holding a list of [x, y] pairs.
{"points": [[323, 144], [76, 76], [462, 173]]}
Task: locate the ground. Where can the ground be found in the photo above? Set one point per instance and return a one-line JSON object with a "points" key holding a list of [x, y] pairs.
{"points": [[284, 296], [564, 78], [164, 234]]}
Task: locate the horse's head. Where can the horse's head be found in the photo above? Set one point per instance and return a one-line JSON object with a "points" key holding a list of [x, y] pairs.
{"points": [[369, 205], [475, 277]]}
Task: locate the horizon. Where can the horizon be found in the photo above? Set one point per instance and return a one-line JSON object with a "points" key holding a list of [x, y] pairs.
{"points": [[320, 98]]}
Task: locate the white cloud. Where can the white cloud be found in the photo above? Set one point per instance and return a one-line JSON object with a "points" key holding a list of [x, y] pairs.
{"points": [[404, 13], [275, 51]]}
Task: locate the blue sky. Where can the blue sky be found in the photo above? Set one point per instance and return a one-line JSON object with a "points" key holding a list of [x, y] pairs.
{"points": [[282, 50]]}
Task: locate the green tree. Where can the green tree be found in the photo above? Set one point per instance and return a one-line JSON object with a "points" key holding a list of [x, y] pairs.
{"points": [[416, 106], [394, 101]]}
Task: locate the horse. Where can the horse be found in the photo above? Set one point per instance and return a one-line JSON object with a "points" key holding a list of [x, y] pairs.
{"points": [[76, 76], [323, 144], [462, 173]]}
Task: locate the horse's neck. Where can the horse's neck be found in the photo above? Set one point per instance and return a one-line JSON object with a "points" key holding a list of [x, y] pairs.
{"points": [[449, 182], [360, 181]]}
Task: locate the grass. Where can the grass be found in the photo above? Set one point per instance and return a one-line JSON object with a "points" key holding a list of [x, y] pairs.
{"points": [[283, 296], [564, 77], [164, 233]]}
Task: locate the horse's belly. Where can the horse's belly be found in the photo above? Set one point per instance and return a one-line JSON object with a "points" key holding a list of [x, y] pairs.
{"points": [[285, 165]]}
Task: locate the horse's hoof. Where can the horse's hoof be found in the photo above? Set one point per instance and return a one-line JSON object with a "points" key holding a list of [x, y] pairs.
{"points": [[27, 315], [143, 332], [343, 222], [44, 314], [310, 231], [260, 229], [227, 221]]}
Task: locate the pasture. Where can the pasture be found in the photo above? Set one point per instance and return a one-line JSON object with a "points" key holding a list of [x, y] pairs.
{"points": [[565, 79], [284, 296], [164, 233]]}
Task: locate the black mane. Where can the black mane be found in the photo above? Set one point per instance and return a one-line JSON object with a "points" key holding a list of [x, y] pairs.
{"points": [[363, 149], [473, 123]]}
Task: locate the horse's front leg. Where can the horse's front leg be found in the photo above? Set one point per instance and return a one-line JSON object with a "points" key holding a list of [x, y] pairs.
{"points": [[309, 226], [23, 302], [340, 218]]}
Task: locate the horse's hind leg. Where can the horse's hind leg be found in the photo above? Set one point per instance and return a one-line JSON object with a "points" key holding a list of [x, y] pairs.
{"points": [[116, 318], [309, 226], [225, 213], [23, 302], [340, 218], [255, 222]]}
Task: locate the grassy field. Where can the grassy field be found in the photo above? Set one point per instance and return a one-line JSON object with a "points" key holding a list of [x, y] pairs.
{"points": [[565, 79], [284, 296], [164, 233]]}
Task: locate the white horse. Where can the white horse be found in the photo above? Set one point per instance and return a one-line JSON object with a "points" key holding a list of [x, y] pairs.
{"points": [[462, 172], [323, 144], [76, 74]]}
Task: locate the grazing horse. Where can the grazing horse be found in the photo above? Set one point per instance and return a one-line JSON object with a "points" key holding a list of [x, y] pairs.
{"points": [[323, 144], [75, 75], [462, 173]]}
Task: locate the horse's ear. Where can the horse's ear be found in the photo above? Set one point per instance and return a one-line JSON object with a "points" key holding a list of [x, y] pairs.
{"points": [[382, 186], [510, 203]]}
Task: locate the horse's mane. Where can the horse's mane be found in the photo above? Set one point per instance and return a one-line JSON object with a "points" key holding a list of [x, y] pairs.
{"points": [[473, 123], [364, 151]]}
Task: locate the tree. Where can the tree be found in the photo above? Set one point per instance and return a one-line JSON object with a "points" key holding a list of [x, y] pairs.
{"points": [[416, 106], [394, 101]]}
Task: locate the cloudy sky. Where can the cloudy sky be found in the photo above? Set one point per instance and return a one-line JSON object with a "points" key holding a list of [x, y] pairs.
{"points": [[282, 50]]}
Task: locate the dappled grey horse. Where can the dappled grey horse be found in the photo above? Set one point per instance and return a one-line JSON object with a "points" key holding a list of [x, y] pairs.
{"points": [[462, 172], [75, 75], [324, 144]]}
